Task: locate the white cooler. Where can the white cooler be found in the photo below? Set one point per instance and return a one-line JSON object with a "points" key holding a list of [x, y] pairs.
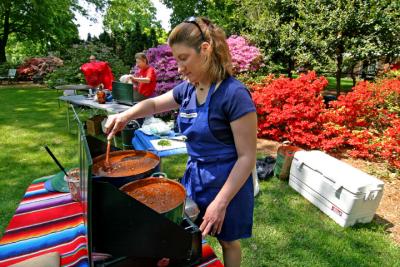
{"points": [[346, 194]]}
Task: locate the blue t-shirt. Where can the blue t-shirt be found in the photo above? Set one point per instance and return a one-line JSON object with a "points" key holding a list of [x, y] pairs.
{"points": [[229, 102]]}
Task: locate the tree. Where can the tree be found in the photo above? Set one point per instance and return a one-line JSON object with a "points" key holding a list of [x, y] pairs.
{"points": [[133, 26], [122, 15], [47, 22], [363, 30], [273, 26], [184, 9], [221, 12]]}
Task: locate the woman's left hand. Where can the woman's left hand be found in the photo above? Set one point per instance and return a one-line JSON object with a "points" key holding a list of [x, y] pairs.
{"points": [[213, 219]]}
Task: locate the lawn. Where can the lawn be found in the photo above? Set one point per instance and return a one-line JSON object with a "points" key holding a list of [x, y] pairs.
{"points": [[345, 83], [288, 230]]}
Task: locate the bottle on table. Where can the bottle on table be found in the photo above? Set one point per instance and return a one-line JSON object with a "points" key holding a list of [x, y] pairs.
{"points": [[101, 95]]}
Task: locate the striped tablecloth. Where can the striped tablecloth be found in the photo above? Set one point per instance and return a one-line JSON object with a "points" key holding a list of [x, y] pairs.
{"points": [[51, 222]]}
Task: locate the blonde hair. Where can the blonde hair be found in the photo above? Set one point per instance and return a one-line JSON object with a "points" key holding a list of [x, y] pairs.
{"points": [[219, 64], [142, 56]]}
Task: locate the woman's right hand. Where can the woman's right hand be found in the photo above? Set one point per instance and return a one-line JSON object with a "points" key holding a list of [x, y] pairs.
{"points": [[114, 124]]}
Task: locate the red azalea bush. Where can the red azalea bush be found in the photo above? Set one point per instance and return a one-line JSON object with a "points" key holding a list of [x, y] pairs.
{"points": [[290, 109], [390, 146], [365, 122], [38, 66]]}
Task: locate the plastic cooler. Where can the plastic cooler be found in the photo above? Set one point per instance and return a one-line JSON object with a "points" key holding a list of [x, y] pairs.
{"points": [[344, 193]]}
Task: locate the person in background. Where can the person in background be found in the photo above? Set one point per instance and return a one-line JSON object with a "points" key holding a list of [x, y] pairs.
{"points": [[92, 58], [218, 117], [146, 76]]}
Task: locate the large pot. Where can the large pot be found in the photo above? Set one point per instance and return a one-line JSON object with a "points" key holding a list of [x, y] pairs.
{"points": [[125, 166], [163, 195]]}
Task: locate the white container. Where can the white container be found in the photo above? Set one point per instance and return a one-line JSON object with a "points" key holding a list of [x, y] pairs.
{"points": [[344, 193]]}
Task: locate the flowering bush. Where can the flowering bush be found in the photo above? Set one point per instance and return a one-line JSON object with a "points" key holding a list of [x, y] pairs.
{"points": [[38, 66], [290, 109], [161, 59], [390, 146], [365, 121], [245, 57]]}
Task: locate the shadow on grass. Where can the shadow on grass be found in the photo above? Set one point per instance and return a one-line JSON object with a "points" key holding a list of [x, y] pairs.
{"points": [[30, 118], [289, 231]]}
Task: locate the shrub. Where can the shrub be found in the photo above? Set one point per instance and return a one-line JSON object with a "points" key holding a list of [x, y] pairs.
{"points": [[161, 59], [290, 109], [245, 57], [77, 55], [365, 121], [38, 66]]}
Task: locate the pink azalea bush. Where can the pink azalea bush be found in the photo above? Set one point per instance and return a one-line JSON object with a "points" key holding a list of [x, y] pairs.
{"points": [[161, 59], [245, 57]]}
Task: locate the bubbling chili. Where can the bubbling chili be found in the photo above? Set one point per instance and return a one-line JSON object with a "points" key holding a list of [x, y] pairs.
{"points": [[123, 164], [158, 194]]}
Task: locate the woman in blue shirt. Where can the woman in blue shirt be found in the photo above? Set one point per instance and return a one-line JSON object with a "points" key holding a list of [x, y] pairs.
{"points": [[217, 115]]}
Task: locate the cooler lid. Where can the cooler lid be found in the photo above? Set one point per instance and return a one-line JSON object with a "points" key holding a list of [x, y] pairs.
{"points": [[338, 172]]}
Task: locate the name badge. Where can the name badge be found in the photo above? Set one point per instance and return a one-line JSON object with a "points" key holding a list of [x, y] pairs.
{"points": [[188, 115]]}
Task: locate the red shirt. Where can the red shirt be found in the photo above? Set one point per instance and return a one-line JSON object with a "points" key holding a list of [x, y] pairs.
{"points": [[147, 89]]}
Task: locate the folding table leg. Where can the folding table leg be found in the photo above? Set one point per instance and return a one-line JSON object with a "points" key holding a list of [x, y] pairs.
{"points": [[68, 127]]}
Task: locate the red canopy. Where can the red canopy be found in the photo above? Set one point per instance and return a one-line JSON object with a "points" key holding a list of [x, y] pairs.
{"points": [[98, 72]]}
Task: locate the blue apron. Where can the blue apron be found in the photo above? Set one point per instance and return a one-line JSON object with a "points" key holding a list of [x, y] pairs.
{"points": [[209, 165]]}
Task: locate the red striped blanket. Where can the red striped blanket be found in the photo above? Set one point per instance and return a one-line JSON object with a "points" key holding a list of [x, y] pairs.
{"points": [[52, 222]]}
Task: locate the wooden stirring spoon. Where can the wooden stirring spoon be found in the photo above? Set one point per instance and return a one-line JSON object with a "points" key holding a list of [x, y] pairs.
{"points": [[107, 164]]}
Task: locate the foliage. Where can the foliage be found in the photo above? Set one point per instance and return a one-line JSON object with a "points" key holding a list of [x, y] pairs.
{"points": [[245, 57], [184, 9], [77, 55], [274, 28], [364, 123], [50, 23], [124, 14], [392, 74], [289, 109], [221, 12], [133, 27], [363, 30], [18, 50], [366, 120], [161, 59], [5, 67], [38, 66]]}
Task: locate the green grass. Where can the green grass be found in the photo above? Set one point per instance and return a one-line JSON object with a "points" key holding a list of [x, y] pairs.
{"points": [[288, 230], [345, 83]]}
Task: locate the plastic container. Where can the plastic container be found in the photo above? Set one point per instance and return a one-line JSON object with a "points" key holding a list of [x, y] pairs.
{"points": [[73, 180], [344, 193], [127, 134], [284, 159]]}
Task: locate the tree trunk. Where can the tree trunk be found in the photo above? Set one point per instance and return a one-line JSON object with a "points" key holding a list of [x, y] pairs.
{"points": [[353, 75], [290, 67], [3, 58], [339, 61], [6, 32]]}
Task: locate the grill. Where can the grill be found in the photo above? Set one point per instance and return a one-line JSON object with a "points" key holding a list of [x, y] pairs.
{"points": [[119, 225]]}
